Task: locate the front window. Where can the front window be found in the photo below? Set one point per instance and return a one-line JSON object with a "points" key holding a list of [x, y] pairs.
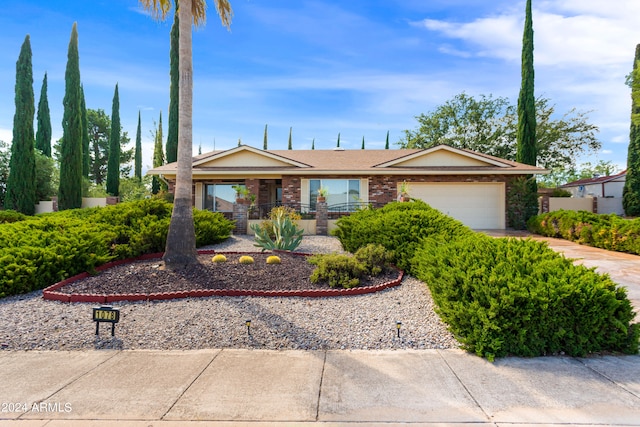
{"points": [[219, 197], [343, 194]]}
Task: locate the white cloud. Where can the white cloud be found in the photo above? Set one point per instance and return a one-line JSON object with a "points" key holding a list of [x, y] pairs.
{"points": [[573, 34]]}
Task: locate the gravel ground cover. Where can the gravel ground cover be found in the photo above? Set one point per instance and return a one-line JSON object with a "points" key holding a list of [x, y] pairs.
{"points": [[28, 322]]}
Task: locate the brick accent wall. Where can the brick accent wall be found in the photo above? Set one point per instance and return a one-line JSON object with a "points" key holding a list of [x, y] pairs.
{"points": [[290, 189]]}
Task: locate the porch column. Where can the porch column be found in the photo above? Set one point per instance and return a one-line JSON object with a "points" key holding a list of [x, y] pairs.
{"points": [[240, 217], [322, 219]]}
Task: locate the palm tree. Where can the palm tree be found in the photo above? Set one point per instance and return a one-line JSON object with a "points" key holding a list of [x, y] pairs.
{"points": [[181, 240]]}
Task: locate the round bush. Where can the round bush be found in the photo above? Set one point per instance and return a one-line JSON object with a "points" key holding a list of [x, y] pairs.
{"points": [[245, 259]]}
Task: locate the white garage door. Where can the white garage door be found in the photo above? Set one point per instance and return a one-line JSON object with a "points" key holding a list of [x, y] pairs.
{"points": [[477, 205]]}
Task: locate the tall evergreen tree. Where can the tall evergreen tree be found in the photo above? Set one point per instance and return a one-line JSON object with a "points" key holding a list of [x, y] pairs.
{"points": [[113, 166], [21, 184], [43, 134], [631, 191], [313, 144], [86, 157], [338, 144], [290, 147], [264, 143], [99, 134], [138, 153], [70, 189], [174, 74], [526, 135], [362, 142], [386, 145], [158, 159]]}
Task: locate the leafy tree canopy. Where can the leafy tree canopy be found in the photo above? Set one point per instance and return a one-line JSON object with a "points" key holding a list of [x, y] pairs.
{"points": [[5, 156], [489, 125]]}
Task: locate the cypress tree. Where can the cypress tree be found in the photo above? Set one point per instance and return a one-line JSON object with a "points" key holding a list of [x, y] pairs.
{"points": [[174, 74], [338, 145], [313, 144], [43, 134], [264, 143], [21, 184], [86, 158], [158, 159], [631, 191], [70, 189], [362, 142], [526, 135], [386, 145], [138, 154], [113, 166], [290, 147]]}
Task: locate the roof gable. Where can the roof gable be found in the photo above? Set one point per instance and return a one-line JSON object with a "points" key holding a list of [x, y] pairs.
{"points": [[443, 155], [246, 157]]}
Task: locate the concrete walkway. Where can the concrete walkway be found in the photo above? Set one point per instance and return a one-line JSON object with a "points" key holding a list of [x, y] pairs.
{"points": [[268, 388], [331, 388]]}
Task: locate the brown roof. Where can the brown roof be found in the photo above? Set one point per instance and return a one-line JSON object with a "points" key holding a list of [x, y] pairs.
{"points": [[596, 180], [357, 161]]}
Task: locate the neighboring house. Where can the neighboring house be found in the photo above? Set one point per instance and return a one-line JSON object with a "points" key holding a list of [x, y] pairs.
{"points": [[603, 186], [464, 184]]}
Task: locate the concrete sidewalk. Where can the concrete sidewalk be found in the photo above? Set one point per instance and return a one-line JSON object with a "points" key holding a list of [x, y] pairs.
{"points": [[265, 388]]}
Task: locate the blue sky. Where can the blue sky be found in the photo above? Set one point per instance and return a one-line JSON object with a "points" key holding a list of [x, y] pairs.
{"points": [[323, 67]]}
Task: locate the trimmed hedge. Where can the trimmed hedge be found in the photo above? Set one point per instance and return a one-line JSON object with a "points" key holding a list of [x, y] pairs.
{"points": [[38, 251], [606, 231], [501, 296], [518, 297], [399, 227]]}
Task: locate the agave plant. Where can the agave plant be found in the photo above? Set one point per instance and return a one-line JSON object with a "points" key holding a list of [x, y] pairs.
{"points": [[287, 236]]}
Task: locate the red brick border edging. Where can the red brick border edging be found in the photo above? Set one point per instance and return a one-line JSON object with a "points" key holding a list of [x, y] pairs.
{"points": [[51, 292]]}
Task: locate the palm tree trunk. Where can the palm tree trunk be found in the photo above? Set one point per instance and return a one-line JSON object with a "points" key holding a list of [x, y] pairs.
{"points": [[180, 250]]}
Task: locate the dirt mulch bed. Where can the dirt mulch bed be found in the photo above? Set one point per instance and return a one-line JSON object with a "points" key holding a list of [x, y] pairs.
{"points": [[145, 277]]}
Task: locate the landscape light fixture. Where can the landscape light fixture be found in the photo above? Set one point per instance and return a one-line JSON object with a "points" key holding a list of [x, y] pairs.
{"points": [[398, 325], [248, 323]]}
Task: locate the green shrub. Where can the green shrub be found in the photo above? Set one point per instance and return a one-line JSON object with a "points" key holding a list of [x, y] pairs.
{"points": [[606, 231], [560, 192], [399, 227], [518, 297], [41, 250], [11, 216], [211, 227], [338, 270], [375, 258]]}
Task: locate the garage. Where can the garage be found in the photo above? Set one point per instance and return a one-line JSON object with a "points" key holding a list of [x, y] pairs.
{"points": [[479, 205]]}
